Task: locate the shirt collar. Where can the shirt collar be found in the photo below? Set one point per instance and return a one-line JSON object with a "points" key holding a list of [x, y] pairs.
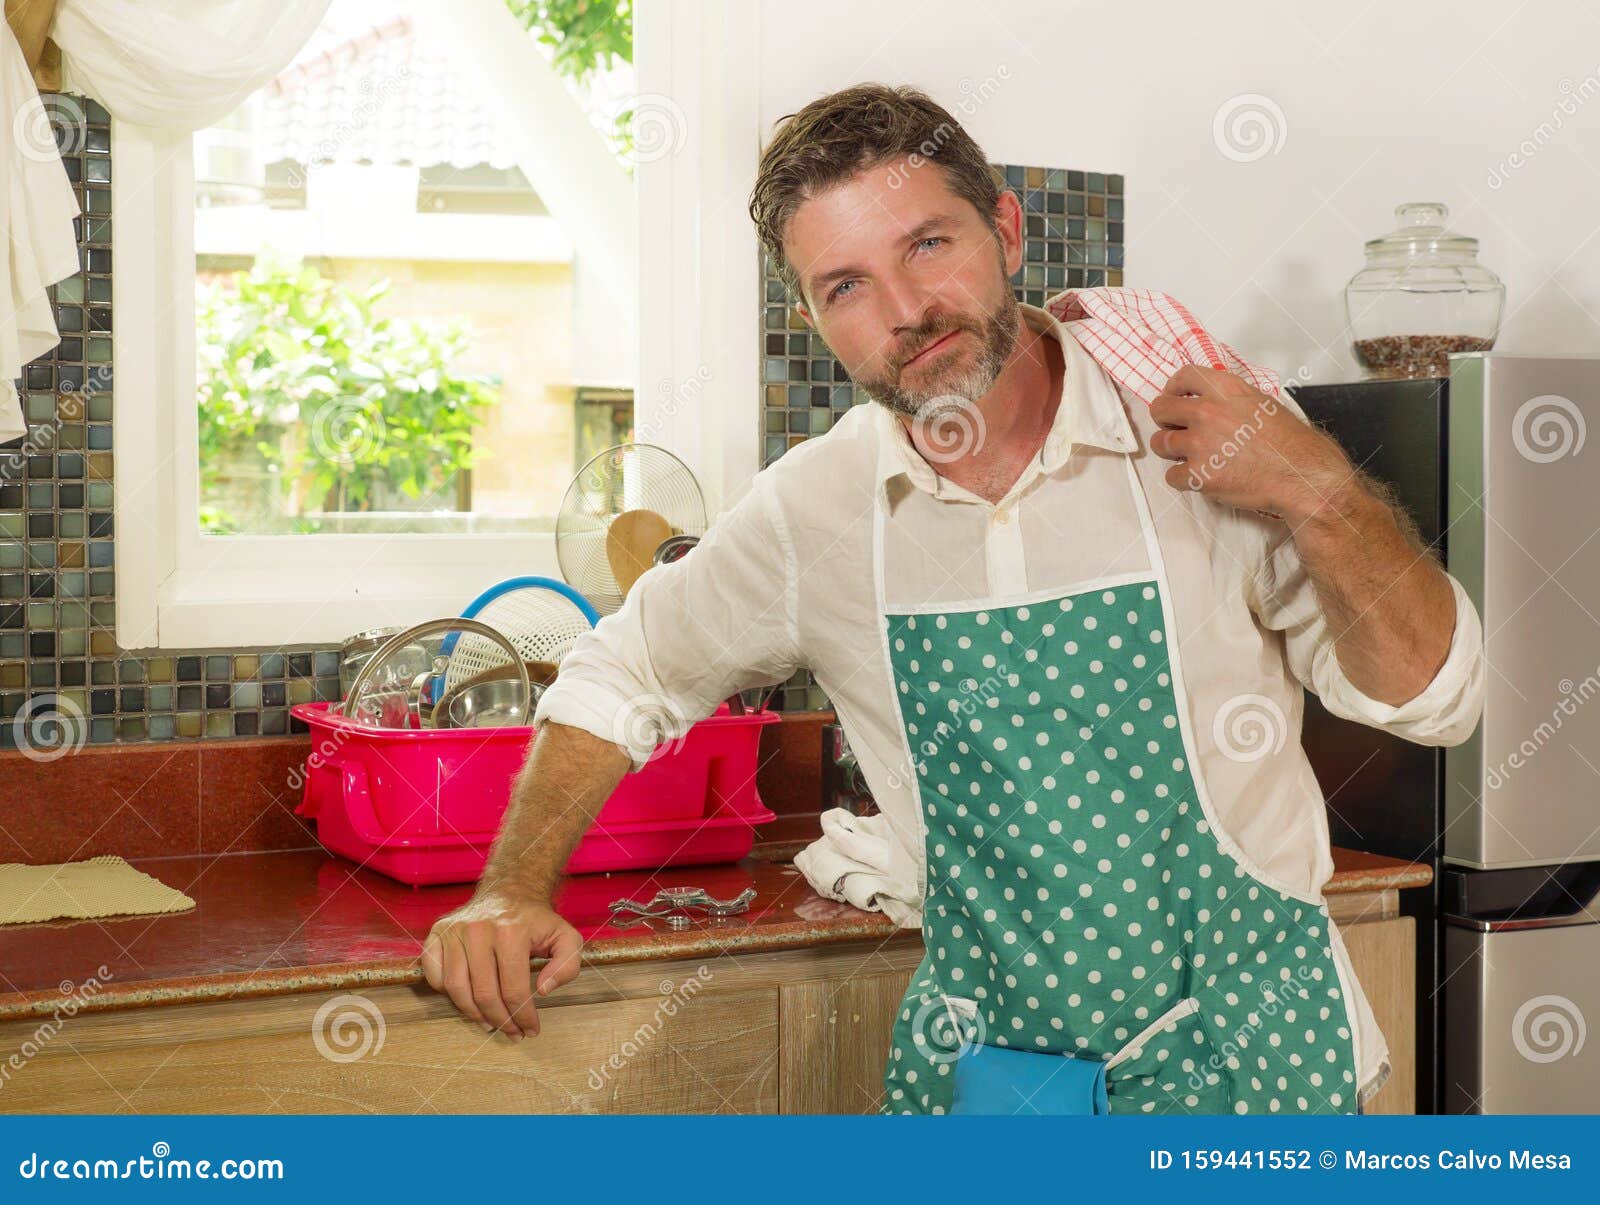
{"points": [[1090, 412]]}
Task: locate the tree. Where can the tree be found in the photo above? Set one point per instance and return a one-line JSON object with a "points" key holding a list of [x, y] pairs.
{"points": [[302, 383]]}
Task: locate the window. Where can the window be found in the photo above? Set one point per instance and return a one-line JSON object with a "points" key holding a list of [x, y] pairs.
{"points": [[367, 325], [384, 304]]}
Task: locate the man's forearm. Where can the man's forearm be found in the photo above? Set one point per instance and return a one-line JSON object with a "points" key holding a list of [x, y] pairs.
{"points": [[1387, 602], [566, 780]]}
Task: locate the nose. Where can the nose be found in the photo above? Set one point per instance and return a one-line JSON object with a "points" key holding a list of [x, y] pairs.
{"points": [[908, 312]]}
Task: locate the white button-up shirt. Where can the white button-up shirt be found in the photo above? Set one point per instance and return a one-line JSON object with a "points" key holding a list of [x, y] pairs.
{"points": [[785, 579]]}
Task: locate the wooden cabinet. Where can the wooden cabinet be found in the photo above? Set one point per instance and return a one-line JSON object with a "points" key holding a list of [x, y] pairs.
{"points": [[801, 1031]]}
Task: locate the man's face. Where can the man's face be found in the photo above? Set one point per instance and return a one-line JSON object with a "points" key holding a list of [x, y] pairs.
{"points": [[908, 285]]}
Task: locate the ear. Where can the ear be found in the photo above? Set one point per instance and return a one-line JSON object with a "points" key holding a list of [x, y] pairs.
{"points": [[800, 308], [1009, 215]]}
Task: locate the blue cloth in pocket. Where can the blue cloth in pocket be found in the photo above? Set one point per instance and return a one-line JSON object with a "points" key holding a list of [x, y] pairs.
{"points": [[998, 1080]]}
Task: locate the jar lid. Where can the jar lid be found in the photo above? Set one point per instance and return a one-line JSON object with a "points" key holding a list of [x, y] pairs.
{"points": [[1422, 232]]}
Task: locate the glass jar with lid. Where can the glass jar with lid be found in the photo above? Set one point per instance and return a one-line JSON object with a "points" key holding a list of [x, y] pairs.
{"points": [[1422, 295]]}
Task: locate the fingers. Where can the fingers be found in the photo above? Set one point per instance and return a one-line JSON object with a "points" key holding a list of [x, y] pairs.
{"points": [[455, 978], [1172, 445], [1193, 378], [565, 950], [516, 980], [1182, 477], [484, 970], [1171, 410]]}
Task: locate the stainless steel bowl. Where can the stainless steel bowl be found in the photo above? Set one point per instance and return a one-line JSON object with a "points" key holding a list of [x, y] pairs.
{"points": [[498, 704]]}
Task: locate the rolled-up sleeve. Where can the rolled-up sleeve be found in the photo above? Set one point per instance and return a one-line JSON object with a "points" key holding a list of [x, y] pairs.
{"points": [[1283, 597], [721, 619]]}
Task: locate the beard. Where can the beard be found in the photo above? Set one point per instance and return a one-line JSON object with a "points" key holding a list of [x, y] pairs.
{"points": [[962, 383]]}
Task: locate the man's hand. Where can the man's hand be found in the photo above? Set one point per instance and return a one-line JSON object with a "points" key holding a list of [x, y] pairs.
{"points": [[1241, 446], [479, 954]]}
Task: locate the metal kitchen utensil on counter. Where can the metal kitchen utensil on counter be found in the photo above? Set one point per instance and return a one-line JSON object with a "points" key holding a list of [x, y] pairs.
{"points": [[496, 703], [672, 903], [389, 693]]}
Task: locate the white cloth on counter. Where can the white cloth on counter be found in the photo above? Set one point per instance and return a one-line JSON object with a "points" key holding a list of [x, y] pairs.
{"points": [[851, 863], [785, 580]]}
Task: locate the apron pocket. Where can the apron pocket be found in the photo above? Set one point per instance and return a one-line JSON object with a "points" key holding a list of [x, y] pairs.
{"points": [[1170, 1066]]}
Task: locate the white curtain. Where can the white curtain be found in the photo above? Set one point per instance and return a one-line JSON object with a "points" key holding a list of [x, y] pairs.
{"points": [[182, 64]]}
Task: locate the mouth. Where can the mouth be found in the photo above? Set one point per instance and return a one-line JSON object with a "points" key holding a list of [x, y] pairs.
{"points": [[932, 348]]}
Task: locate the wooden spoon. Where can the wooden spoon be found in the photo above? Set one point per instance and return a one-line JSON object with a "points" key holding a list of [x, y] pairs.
{"points": [[631, 543]]}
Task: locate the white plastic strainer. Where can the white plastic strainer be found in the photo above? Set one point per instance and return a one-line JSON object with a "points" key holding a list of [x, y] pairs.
{"points": [[541, 617]]}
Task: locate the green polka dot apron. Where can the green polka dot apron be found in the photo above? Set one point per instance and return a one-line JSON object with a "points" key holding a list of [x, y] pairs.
{"points": [[1079, 898]]}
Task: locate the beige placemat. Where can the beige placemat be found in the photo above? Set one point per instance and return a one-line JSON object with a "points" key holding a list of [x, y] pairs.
{"points": [[103, 886]]}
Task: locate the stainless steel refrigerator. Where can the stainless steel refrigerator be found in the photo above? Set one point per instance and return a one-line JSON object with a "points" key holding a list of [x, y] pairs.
{"points": [[1499, 468]]}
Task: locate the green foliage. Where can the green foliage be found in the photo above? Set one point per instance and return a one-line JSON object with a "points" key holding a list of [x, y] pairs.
{"points": [[300, 380], [585, 36]]}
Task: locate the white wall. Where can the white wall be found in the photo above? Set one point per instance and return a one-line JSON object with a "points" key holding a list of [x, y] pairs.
{"points": [[1381, 103]]}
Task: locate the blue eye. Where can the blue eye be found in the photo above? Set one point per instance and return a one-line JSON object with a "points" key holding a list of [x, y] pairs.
{"points": [[839, 291], [932, 238]]}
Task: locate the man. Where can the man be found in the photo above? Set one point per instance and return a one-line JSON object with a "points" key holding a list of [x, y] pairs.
{"points": [[1071, 670]]}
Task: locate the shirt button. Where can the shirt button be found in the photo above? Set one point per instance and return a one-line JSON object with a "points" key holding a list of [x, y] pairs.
{"points": [[1002, 516]]}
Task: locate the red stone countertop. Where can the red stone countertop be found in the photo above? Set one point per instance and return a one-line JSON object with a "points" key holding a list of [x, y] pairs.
{"points": [[269, 924]]}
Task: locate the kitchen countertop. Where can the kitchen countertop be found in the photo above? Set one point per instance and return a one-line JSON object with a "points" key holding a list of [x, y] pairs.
{"points": [[268, 924]]}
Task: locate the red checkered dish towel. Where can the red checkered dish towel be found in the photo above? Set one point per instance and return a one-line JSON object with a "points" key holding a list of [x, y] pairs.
{"points": [[1141, 338]]}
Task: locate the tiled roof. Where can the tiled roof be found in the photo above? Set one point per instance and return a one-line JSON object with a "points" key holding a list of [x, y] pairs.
{"points": [[378, 96]]}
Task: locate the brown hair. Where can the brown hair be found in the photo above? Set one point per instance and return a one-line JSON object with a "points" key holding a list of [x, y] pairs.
{"points": [[843, 134]]}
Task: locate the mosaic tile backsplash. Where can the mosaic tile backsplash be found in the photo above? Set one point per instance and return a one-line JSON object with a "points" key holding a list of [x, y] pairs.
{"points": [[64, 681]]}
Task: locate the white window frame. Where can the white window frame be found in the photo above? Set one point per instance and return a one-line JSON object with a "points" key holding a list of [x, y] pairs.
{"points": [[697, 391]]}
